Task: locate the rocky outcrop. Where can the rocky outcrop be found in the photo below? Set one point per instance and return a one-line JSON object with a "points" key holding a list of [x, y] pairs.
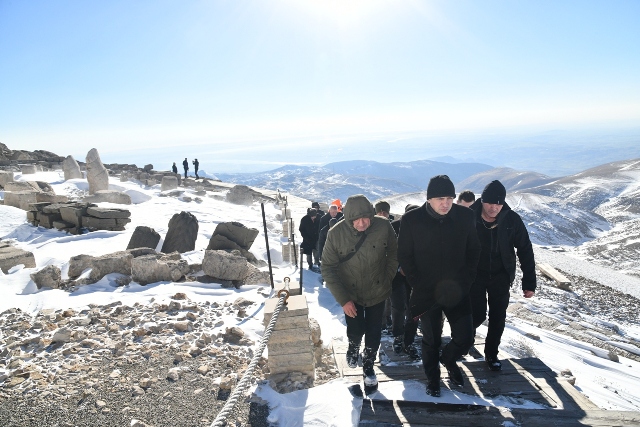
{"points": [[10, 256], [144, 237], [71, 169], [75, 218], [182, 233], [97, 174], [238, 233]]}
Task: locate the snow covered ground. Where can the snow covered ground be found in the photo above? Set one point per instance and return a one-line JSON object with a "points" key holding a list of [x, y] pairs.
{"points": [[609, 384]]}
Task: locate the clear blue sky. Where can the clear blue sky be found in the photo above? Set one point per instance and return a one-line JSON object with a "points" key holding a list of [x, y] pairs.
{"points": [[122, 75]]}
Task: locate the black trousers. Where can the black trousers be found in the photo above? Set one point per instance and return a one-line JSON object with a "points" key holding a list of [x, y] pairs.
{"points": [[403, 323], [367, 324], [460, 321], [495, 290]]}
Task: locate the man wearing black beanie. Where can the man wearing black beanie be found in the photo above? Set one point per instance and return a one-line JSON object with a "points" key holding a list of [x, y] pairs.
{"points": [[438, 251], [501, 232]]}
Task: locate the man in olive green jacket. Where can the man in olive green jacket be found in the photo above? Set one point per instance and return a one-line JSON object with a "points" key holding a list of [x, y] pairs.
{"points": [[359, 262]]}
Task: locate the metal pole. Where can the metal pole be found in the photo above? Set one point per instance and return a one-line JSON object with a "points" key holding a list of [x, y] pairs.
{"points": [[266, 238], [293, 241], [301, 264]]}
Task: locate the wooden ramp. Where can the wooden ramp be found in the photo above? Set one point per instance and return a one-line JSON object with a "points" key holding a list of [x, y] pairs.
{"points": [[520, 380]]}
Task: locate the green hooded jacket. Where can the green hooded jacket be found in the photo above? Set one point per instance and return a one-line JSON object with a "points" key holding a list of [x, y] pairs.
{"points": [[366, 277]]}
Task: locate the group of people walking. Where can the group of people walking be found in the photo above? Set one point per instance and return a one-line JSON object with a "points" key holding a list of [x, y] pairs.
{"points": [[185, 166], [440, 259], [314, 227]]}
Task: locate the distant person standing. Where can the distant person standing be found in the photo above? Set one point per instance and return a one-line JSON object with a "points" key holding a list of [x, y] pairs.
{"points": [[185, 165], [438, 251], [309, 230], [466, 198], [174, 168], [501, 232], [196, 164], [358, 265]]}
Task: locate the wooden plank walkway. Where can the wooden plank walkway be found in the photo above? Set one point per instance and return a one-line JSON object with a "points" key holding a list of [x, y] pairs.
{"points": [[520, 380]]}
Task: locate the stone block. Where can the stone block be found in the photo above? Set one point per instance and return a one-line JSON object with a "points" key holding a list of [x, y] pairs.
{"points": [[5, 177], [291, 347], [292, 322], [303, 358], [306, 369], [169, 183], [108, 212], [98, 223], [144, 237], [11, 256], [38, 206], [296, 306], [51, 198], [291, 336], [28, 169], [47, 219], [73, 214], [20, 199], [63, 225], [109, 196]]}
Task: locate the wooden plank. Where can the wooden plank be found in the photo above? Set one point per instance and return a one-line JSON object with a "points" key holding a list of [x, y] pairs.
{"points": [[561, 280], [402, 413]]}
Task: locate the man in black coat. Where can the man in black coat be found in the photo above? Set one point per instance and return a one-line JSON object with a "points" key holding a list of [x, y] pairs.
{"points": [[185, 165], [309, 230], [196, 165], [501, 232], [438, 250]]}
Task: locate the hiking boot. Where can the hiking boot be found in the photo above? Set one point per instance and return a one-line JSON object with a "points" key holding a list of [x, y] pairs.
{"points": [[494, 364], [369, 375], [455, 374], [433, 388], [411, 351], [398, 345], [352, 354]]}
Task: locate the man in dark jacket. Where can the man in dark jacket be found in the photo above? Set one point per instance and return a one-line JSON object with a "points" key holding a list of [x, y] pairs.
{"points": [[500, 230], [438, 250], [309, 230], [196, 165], [358, 265], [404, 326], [174, 168], [185, 165]]}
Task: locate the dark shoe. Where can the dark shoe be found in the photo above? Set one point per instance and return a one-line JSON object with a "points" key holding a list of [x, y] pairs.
{"points": [[494, 364], [368, 373], [473, 352], [411, 351], [352, 354], [398, 345], [455, 374], [433, 388]]}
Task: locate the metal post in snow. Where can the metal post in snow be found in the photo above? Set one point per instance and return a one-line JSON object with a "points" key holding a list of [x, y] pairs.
{"points": [[266, 238]]}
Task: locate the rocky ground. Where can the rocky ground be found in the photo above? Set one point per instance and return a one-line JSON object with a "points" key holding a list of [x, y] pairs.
{"points": [[116, 365]]}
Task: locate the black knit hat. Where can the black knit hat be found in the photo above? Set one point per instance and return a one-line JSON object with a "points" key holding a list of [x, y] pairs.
{"points": [[494, 193], [410, 207], [440, 186]]}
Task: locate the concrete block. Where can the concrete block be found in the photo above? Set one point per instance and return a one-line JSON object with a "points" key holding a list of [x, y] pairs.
{"points": [[290, 323]]}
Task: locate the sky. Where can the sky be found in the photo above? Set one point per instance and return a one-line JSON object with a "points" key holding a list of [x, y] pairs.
{"points": [[610, 385], [229, 78]]}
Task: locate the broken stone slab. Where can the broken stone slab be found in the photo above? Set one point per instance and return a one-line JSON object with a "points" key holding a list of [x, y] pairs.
{"points": [[47, 219], [51, 198], [109, 196], [10, 256], [116, 262], [182, 233], [153, 268], [240, 195], [63, 225], [144, 237], [49, 276], [224, 265], [108, 212], [39, 186], [74, 213], [237, 232]]}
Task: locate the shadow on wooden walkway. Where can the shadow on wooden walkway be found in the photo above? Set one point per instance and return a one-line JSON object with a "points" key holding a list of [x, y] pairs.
{"points": [[520, 380]]}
